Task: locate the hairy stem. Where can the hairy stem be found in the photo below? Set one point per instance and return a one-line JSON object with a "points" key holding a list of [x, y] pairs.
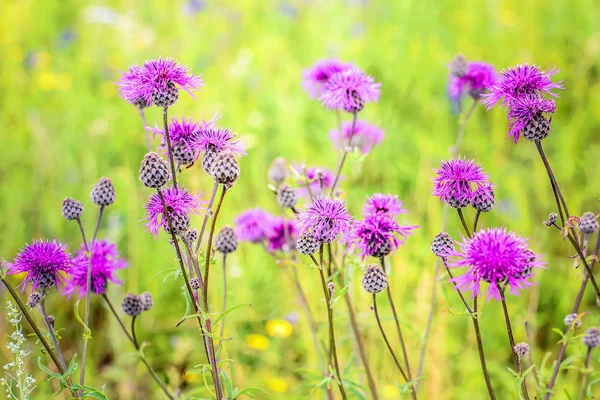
{"points": [[207, 215], [348, 147]]}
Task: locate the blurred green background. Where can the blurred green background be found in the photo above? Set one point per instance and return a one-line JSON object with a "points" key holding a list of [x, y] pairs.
{"points": [[64, 126]]}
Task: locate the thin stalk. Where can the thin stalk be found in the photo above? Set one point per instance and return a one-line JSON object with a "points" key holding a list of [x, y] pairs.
{"points": [[399, 330], [476, 220], [39, 334], [484, 369], [553, 181], [511, 340], [224, 298], [387, 342], [206, 216], [339, 170], [42, 309], [143, 117], [169, 149], [88, 299], [461, 128], [135, 341], [584, 378], [85, 245], [530, 341], [210, 354], [462, 297], [463, 221], [196, 266]]}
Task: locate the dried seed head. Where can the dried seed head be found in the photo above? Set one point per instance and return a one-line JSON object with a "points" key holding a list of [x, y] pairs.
{"points": [[154, 171], [307, 244], [226, 169], [569, 318], [183, 153], [195, 283], [180, 222], [226, 241], [34, 299], [103, 194], [71, 208], [458, 66], [591, 338], [210, 158], [132, 305], [165, 97], [277, 171], [538, 128], [521, 349], [190, 236], [552, 217], [146, 300], [374, 280], [588, 223], [442, 244], [286, 196]]}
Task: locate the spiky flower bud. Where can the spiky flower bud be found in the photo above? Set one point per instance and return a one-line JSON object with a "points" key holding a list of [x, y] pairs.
{"points": [[71, 208], [588, 223], [190, 236], [286, 196], [103, 194], [552, 217], [180, 222], [277, 171], [537, 128], [226, 169], [374, 280], [442, 244], [307, 244], [51, 320], [132, 305], [34, 299], [569, 318], [183, 153], [381, 249], [521, 349], [210, 158], [483, 198], [226, 241], [146, 299], [154, 171], [458, 66], [165, 97], [591, 338], [195, 283]]}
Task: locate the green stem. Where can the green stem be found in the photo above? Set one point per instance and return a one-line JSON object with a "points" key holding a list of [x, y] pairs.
{"points": [[387, 342], [486, 375], [463, 221], [339, 170], [143, 117], [169, 149]]}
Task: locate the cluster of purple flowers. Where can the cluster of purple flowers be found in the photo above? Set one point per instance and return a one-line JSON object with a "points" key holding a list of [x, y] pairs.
{"points": [[460, 183], [179, 202], [523, 90], [320, 180], [260, 227], [324, 219], [378, 233], [469, 77]]}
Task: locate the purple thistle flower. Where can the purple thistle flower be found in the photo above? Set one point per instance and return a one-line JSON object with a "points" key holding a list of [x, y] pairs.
{"points": [[129, 80], [478, 77], [456, 180], [319, 74], [349, 91], [317, 187], [383, 204], [495, 256], [282, 235], [159, 76], [253, 225], [325, 218], [219, 139], [182, 132], [43, 262], [178, 201], [377, 235], [366, 136], [105, 261], [521, 81], [526, 110]]}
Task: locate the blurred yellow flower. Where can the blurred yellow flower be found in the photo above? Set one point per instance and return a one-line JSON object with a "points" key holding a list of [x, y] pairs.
{"points": [[192, 378], [257, 341], [51, 81], [390, 392], [277, 385], [42, 60], [279, 328]]}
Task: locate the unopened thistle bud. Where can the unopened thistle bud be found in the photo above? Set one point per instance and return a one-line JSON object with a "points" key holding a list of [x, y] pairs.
{"points": [[210, 158], [552, 217], [183, 153], [277, 171], [179, 221], [51, 320], [132, 305], [191, 236], [569, 318], [521, 350], [374, 280], [154, 171], [442, 244], [226, 241], [483, 198], [226, 169], [195, 283], [588, 223], [34, 299], [103, 194], [286, 196], [591, 338], [146, 300], [458, 66], [307, 244], [71, 208]]}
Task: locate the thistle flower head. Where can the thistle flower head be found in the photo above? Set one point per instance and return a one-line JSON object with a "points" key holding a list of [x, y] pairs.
{"points": [[591, 337], [495, 256], [521, 350], [282, 235], [383, 204], [156, 77], [456, 180], [320, 180], [253, 225], [43, 262], [178, 201], [477, 77], [325, 218], [349, 90], [127, 84], [105, 261], [319, 74], [377, 235], [217, 139], [521, 81], [527, 110], [366, 136]]}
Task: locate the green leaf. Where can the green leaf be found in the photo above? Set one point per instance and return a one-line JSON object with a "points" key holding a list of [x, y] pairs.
{"points": [[87, 332], [249, 392], [227, 383], [339, 296], [224, 313], [90, 392], [188, 307], [588, 390]]}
